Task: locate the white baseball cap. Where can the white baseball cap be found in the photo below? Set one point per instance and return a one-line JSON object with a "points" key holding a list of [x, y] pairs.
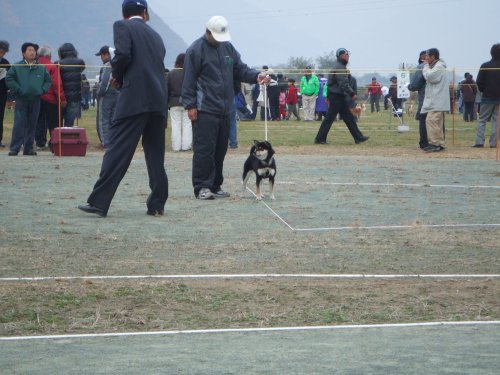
{"points": [[219, 27]]}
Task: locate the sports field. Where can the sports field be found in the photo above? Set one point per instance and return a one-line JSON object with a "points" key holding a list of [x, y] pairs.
{"points": [[358, 236]]}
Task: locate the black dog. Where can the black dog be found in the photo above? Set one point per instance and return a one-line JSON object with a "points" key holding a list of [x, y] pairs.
{"points": [[261, 161]]}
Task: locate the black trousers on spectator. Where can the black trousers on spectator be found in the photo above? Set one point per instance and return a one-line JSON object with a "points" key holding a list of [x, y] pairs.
{"points": [[423, 143], [338, 105], [3, 101], [48, 119]]}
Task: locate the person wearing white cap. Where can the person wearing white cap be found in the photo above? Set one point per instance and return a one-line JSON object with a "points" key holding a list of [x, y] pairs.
{"points": [[211, 67]]}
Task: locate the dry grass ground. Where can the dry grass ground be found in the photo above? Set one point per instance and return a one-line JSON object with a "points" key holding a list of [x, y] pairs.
{"points": [[42, 234]]}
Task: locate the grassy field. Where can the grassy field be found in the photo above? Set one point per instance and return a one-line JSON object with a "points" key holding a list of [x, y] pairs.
{"points": [[381, 127], [43, 234]]}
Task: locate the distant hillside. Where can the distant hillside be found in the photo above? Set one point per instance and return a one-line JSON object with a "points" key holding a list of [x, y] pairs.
{"points": [[87, 24]]}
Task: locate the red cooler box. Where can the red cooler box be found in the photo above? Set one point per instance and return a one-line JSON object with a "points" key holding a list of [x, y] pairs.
{"points": [[69, 142]]}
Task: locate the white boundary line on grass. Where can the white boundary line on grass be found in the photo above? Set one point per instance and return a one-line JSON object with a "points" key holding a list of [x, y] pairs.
{"points": [[254, 276], [391, 185], [249, 330], [380, 227], [395, 227]]}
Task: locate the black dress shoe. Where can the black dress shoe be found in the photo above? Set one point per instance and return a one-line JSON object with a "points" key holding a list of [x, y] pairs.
{"points": [[362, 139], [30, 153], [13, 153], [155, 213], [478, 145], [320, 142], [88, 208]]}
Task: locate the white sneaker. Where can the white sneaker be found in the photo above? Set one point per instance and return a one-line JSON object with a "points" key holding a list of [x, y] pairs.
{"points": [[205, 193]]}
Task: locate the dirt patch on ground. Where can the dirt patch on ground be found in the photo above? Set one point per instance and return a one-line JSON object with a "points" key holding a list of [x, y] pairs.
{"points": [[62, 307]]}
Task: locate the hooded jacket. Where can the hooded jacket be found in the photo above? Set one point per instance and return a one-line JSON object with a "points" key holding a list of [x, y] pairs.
{"points": [[209, 75], [71, 72], [437, 90], [28, 81], [56, 88]]}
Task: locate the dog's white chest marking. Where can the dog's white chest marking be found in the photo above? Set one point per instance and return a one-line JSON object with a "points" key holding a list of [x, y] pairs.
{"points": [[266, 171]]}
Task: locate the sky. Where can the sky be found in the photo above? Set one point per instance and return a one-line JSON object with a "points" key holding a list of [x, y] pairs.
{"points": [[380, 34]]}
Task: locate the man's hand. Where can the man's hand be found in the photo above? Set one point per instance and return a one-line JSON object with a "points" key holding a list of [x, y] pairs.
{"points": [[263, 79], [193, 114], [64, 104], [354, 97], [115, 84]]}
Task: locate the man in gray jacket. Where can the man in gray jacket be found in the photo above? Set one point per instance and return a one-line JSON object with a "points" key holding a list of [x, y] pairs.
{"points": [[437, 99], [211, 67]]}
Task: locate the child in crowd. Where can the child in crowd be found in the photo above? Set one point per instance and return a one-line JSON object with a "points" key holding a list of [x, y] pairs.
{"points": [[292, 100], [282, 107]]}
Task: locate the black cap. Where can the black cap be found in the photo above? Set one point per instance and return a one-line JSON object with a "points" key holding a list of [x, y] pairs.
{"points": [[104, 49]]}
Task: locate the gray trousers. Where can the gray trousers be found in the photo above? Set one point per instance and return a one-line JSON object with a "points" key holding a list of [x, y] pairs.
{"points": [[488, 111]]}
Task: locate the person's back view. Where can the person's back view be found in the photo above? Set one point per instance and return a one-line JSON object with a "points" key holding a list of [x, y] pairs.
{"points": [[488, 83], [71, 75], [141, 111], [182, 132]]}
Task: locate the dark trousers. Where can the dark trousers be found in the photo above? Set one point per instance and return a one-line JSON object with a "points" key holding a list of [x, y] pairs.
{"points": [[25, 119], [210, 135], [124, 137], [3, 102], [48, 119], [469, 109], [374, 102], [273, 94], [255, 105], [338, 105], [422, 129]]}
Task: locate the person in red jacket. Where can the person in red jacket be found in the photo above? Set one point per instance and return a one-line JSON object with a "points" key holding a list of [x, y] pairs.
{"points": [[374, 91], [292, 100], [49, 117]]}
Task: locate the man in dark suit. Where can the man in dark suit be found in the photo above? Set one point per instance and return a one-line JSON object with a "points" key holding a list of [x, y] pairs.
{"points": [[141, 110]]}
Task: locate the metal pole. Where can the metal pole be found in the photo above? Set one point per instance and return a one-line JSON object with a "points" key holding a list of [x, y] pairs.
{"points": [[453, 109], [265, 111]]}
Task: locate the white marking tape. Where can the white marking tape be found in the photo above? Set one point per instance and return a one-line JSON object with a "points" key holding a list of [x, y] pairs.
{"points": [[379, 227], [249, 330], [393, 227], [391, 185], [255, 276]]}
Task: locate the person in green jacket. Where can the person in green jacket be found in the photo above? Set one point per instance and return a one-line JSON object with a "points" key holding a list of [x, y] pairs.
{"points": [[27, 80], [309, 88]]}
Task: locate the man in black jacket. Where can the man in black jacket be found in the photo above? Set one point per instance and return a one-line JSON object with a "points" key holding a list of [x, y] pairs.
{"points": [[71, 75], [488, 82], [141, 110], [339, 91], [211, 66]]}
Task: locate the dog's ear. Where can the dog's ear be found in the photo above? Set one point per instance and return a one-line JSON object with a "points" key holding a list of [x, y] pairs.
{"points": [[256, 142], [270, 151]]}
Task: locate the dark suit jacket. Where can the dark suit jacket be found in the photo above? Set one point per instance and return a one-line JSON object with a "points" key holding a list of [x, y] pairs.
{"points": [[138, 66]]}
